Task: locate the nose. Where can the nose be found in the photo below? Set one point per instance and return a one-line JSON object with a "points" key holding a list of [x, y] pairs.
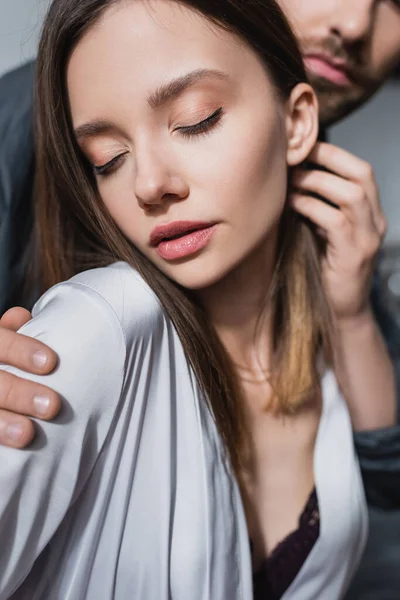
{"points": [[157, 179], [353, 20]]}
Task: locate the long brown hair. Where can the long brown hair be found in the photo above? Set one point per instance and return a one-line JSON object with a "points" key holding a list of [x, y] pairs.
{"points": [[76, 232]]}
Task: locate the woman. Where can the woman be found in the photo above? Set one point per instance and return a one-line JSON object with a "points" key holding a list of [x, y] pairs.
{"points": [[203, 418]]}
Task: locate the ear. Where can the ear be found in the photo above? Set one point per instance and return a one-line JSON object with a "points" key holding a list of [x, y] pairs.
{"points": [[301, 123]]}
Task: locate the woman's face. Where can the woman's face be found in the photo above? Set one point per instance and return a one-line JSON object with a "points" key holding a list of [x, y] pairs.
{"points": [[186, 134]]}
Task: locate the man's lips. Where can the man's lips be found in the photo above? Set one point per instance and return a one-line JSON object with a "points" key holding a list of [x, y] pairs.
{"points": [[175, 229], [331, 69]]}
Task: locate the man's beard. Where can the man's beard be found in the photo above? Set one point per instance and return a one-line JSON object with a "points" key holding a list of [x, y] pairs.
{"points": [[336, 102]]}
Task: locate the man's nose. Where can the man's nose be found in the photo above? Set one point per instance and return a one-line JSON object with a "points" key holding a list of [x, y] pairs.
{"points": [[157, 180], [353, 20]]}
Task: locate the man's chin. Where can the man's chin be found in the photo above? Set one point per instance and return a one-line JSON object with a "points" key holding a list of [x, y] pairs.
{"points": [[332, 110], [336, 103]]}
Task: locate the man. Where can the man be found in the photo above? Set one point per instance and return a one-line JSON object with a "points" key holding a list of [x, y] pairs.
{"points": [[350, 48]]}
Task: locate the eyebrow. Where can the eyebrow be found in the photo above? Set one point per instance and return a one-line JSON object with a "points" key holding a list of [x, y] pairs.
{"points": [[171, 90], [96, 128], [161, 96]]}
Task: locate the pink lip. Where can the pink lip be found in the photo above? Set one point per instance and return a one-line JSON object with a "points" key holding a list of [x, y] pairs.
{"points": [[332, 70], [193, 236]]}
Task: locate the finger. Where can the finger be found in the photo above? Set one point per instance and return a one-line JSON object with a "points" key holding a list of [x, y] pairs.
{"points": [[15, 431], [25, 353], [348, 196], [343, 163], [15, 318], [332, 221], [351, 167], [339, 230], [24, 397]]}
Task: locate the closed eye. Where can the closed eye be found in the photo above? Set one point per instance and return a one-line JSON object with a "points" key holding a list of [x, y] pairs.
{"points": [[203, 126], [110, 166]]}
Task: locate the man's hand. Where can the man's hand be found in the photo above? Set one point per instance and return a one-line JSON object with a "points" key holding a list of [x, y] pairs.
{"points": [[353, 231], [19, 398]]}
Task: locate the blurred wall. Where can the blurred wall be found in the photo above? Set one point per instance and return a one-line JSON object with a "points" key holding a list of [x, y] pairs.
{"points": [[20, 23]]}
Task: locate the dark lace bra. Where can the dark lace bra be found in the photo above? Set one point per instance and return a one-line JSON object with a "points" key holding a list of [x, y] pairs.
{"points": [[281, 567]]}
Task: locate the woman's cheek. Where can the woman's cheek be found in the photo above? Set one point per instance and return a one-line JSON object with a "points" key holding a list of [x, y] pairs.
{"points": [[120, 202]]}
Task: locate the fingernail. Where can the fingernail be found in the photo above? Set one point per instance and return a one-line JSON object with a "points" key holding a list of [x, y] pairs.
{"points": [[41, 404], [14, 432], [39, 359]]}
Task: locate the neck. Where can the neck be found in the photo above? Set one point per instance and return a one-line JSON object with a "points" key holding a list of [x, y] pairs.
{"points": [[239, 309]]}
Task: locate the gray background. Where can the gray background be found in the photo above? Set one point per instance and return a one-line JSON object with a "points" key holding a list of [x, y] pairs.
{"points": [[20, 22]]}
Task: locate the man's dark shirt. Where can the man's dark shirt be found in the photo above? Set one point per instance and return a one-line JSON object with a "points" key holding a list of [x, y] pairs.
{"points": [[16, 183]]}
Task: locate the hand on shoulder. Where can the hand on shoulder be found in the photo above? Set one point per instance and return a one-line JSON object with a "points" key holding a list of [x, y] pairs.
{"points": [[20, 399]]}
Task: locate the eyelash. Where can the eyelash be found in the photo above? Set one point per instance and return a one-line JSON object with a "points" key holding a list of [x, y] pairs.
{"points": [[108, 168], [201, 128]]}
